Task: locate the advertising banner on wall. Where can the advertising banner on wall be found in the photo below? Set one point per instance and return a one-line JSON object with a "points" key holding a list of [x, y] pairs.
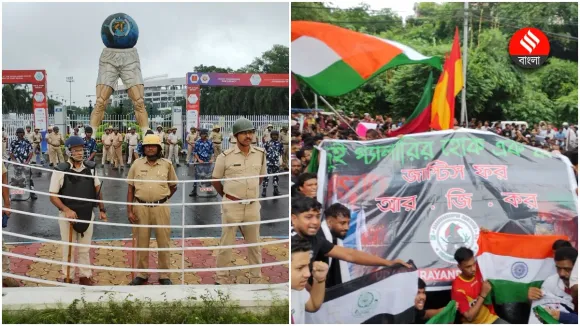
{"points": [[423, 196], [39, 99]]}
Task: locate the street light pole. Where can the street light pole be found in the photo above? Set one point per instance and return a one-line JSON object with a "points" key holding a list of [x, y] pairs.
{"points": [[69, 80]]}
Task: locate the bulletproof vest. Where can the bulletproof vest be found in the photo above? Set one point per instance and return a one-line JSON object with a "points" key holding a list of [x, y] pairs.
{"points": [[80, 187]]}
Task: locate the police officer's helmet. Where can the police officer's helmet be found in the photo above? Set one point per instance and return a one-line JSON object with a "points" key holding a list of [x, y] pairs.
{"points": [[73, 141], [88, 130], [152, 140], [27, 127], [242, 125], [55, 128], [203, 132], [19, 130], [274, 132]]}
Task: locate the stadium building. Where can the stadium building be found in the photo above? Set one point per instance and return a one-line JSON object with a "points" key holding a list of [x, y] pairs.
{"points": [[159, 92]]}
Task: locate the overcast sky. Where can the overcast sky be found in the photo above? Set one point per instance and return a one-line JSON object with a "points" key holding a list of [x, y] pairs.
{"points": [[64, 38]]}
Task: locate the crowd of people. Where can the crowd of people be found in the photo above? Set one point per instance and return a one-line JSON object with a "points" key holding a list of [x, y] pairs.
{"points": [[318, 257], [147, 162]]}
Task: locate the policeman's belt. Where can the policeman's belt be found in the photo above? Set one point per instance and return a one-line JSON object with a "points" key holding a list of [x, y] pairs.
{"points": [[217, 142], [242, 201], [152, 204]]}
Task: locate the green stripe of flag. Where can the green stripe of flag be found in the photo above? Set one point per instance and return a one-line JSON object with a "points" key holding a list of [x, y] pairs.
{"points": [[511, 292]]}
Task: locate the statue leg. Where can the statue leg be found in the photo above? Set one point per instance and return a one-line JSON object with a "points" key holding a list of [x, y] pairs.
{"points": [[137, 94], [103, 94]]}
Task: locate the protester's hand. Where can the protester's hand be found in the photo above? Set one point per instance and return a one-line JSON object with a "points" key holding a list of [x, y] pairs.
{"points": [[133, 218], [69, 213], [554, 312], [534, 293], [398, 261], [485, 289], [319, 271], [103, 216], [7, 213]]}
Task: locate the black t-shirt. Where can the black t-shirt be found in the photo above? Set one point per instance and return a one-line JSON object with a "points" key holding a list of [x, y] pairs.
{"points": [[320, 247]]}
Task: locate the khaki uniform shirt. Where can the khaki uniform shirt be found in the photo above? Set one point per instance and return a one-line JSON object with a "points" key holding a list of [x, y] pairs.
{"points": [[172, 139], [267, 135], [216, 137], [161, 136], [57, 179], [152, 191], [284, 138], [36, 138], [107, 139], [117, 139], [233, 163], [192, 137], [132, 140], [28, 136], [55, 139]]}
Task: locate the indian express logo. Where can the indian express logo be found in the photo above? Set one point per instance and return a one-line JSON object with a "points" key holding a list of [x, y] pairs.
{"points": [[529, 48]]}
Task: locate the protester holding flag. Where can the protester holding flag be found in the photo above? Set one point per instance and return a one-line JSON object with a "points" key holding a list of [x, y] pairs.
{"points": [[302, 300], [470, 291], [445, 315]]}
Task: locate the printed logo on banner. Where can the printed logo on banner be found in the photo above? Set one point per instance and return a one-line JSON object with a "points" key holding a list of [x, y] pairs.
{"points": [[205, 78], [120, 27], [194, 78], [255, 80], [39, 76], [451, 231], [38, 97], [192, 99], [519, 270], [366, 304]]}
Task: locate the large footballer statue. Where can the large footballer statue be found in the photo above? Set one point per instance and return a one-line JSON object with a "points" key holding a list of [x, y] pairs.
{"points": [[120, 60]]}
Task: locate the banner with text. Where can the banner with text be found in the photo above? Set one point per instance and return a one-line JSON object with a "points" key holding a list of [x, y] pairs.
{"points": [[423, 196], [237, 79], [39, 99]]}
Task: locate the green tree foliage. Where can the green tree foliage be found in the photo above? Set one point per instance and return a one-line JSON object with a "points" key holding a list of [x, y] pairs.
{"points": [[496, 88]]}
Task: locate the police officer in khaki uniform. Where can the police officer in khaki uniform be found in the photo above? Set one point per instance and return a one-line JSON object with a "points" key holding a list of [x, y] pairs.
{"points": [[151, 167], [168, 132], [266, 138], [28, 134], [132, 140], [36, 140], [239, 161], [285, 140], [233, 141], [117, 149], [191, 138], [55, 140], [159, 132], [107, 140], [216, 138]]}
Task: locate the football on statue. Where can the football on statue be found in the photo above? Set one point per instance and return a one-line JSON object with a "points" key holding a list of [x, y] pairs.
{"points": [[119, 31]]}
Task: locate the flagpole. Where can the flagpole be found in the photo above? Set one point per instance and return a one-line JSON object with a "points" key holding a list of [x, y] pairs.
{"points": [[338, 114], [465, 47]]}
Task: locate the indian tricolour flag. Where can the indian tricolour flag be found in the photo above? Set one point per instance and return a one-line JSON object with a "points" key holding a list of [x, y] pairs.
{"points": [[334, 61], [513, 262]]}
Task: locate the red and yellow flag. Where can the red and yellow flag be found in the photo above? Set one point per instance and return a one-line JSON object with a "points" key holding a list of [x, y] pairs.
{"points": [[449, 84]]}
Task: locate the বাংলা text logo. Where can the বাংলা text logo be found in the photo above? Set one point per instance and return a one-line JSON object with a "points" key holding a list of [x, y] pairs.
{"points": [[451, 231], [529, 48]]}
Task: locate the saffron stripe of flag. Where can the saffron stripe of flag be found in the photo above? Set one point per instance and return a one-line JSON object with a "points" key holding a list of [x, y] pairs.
{"points": [[334, 61]]}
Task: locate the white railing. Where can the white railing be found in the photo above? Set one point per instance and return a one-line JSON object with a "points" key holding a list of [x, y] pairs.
{"points": [[183, 227], [11, 122]]}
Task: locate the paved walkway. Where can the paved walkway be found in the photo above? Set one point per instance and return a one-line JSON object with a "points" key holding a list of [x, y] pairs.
{"points": [[118, 258]]}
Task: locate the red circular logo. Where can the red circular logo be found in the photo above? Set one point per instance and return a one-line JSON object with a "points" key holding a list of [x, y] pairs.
{"points": [[529, 41], [529, 47]]}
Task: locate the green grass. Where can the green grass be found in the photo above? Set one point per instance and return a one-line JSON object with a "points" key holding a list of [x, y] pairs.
{"points": [[192, 311]]}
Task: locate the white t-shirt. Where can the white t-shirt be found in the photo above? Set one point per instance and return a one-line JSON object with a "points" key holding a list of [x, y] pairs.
{"points": [[574, 276], [299, 300], [554, 296]]}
